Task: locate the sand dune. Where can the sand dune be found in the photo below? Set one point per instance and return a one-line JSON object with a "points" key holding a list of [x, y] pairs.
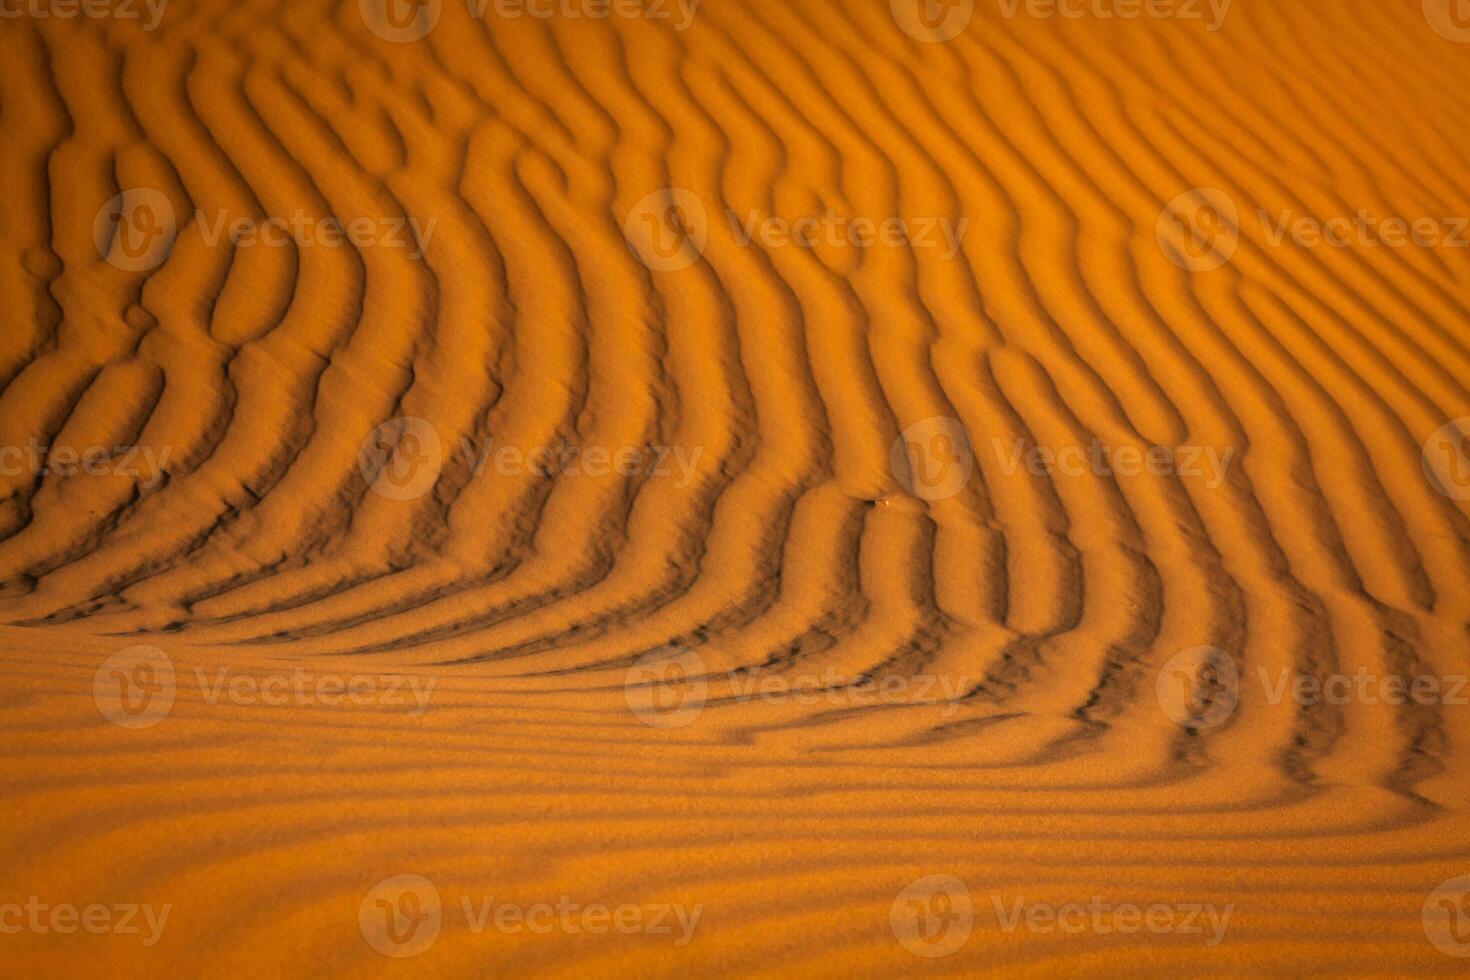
{"points": [[878, 488]]}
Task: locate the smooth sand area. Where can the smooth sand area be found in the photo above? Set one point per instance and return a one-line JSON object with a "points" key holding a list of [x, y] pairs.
{"points": [[750, 488]]}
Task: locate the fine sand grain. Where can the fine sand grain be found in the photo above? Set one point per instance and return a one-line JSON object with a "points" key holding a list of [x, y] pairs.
{"points": [[846, 488]]}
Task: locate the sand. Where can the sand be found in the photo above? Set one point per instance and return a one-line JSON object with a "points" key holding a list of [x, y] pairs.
{"points": [[758, 487]]}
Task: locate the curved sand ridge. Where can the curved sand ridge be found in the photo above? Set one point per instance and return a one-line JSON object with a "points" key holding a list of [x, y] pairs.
{"points": [[563, 248]]}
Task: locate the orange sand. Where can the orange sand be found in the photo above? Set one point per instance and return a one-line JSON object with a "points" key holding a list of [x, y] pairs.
{"points": [[772, 668]]}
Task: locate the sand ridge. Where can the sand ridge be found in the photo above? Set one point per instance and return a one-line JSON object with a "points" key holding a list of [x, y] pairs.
{"points": [[797, 455]]}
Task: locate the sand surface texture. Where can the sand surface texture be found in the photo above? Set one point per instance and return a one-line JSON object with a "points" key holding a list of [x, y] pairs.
{"points": [[842, 488]]}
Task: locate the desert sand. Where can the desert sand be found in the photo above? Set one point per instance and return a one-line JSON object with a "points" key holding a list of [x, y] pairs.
{"points": [[845, 488]]}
